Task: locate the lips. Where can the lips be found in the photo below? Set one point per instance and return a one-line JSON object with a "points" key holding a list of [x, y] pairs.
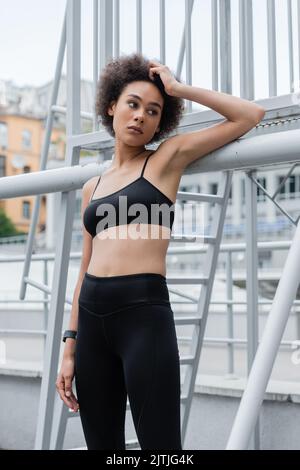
{"points": [[137, 129]]}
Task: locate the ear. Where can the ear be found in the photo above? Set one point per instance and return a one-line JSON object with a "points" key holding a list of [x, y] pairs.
{"points": [[111, 108]]}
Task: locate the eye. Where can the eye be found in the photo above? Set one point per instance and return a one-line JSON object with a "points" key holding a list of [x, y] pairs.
{"points": [[152, 110]]}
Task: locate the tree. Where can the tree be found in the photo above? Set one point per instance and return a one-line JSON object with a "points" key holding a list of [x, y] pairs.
{"points": [[7, 228]]}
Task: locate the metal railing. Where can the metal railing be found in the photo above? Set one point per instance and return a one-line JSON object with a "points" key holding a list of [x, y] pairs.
{"points": [[229, 302]]}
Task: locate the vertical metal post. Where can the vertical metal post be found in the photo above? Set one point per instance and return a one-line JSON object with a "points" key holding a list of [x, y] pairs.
{"points": [[268, 348], [43, 160], [183, 43], [246, 49], [225, 45], [46, 308], [290, 45], [162, 30], [106, 32], [64, 234], [116, 27], [139, 29], [95, 58], [215, 44], [272, 48], [298, 18], [229, 285], [188, 49], [252, 279]]}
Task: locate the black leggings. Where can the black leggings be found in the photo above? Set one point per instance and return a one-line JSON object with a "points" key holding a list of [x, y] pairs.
{"points": [[127, 344]]}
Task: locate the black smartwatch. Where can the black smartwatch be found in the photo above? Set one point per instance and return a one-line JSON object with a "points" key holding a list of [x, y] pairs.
{"points": [[69, 334]]}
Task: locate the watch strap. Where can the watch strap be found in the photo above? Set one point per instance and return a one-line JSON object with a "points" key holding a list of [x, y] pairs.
{"points": [[69, 334]]}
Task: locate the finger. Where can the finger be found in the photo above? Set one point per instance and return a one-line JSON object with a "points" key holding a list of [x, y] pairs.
{"points": [[68, 387], [152, 71], [74, 401], [69, 395], [70, 403]]}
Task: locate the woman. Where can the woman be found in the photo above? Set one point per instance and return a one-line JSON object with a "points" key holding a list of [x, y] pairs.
{"points": [[123, 339]]}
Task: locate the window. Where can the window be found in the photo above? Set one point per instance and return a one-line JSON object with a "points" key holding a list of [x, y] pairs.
{"points": [[243, 190], [2, 166], [26, 169], [213, 188], [53, 150], [292, 186], [3, 135], [260, 194], [26, 209], [26, 139], [282, 189], [230, 196], [196, 188], [183, 189]]}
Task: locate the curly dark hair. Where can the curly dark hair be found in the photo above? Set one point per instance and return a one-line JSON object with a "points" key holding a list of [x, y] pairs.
{"points": [[116, 75]]}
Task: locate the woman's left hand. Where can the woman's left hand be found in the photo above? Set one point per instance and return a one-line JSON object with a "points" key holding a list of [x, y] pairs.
{"points": [[165, 74]]}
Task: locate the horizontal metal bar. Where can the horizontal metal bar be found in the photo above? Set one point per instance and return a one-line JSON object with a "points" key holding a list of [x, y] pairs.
{"points": [[187, 280], [43, 288], [207, 239], [187, 320], [63, 110], [48, 181], [187, 359], [16, 301], [238, 302], [23, 332], [208, 340], [226, 247], [231, 247], [200, 197]]}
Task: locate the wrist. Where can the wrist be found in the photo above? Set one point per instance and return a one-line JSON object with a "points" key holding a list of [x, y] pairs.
{"points": [[175, 89], [69, 350]]}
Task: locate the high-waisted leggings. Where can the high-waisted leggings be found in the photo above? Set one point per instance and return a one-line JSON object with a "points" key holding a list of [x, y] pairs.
{"points": [[127, 346]]}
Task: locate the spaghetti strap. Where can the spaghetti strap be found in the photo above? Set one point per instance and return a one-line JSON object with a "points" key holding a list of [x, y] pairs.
{"points": [[146, 162], [95, 188]]}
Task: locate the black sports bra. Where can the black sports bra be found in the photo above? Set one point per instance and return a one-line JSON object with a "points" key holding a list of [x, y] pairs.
{"points": [[138, 202]]}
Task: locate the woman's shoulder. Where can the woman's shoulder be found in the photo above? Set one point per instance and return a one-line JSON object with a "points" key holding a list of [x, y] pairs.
{"points": [[89, 185], [91, 181]]}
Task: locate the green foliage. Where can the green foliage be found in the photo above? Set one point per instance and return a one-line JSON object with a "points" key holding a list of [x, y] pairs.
{"points": [[7, 228]]}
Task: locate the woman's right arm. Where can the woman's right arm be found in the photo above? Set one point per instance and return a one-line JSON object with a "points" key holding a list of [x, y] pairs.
{"points": [[66, 374], [70, 343]]}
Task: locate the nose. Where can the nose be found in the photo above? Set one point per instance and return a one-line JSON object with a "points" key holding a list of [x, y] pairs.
{"points": [[139, 118]]}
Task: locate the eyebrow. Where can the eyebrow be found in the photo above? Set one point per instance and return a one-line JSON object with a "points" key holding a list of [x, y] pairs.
{"points": [[154, 103]]}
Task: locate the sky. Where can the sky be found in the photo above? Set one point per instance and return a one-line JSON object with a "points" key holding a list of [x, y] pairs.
{"points": [[30, 34]]}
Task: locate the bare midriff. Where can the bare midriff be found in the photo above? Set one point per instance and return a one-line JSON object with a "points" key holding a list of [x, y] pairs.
{"points": [[130, 249]]}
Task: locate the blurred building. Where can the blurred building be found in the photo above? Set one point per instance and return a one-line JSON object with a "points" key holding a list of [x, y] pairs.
{"points": [[23, 114]]}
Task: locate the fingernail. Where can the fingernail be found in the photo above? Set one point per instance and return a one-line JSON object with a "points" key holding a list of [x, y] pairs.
{"points": [[68, 394]]}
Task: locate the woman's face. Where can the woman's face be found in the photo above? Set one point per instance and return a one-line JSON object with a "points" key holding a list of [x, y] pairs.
{"points": [[143, 110]]}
